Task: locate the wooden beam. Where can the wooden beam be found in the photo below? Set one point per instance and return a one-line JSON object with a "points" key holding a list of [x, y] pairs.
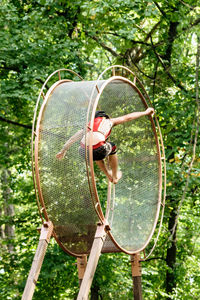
{"points": [[81, 266], [45, 235], [92, 262], [136, 275]]}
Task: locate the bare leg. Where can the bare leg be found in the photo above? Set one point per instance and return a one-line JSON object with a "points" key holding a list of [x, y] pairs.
{"points": [[102, 167], [113, 160]]}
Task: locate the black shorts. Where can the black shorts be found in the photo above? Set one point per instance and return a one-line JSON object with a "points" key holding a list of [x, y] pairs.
{"points": [[102, 152]]}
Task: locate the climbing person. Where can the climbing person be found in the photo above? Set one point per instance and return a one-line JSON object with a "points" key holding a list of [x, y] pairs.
{"points": [[103, 148]]}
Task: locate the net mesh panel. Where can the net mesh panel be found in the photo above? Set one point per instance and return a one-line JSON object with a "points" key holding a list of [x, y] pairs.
{"points": [[134, 209], [64, 183]]}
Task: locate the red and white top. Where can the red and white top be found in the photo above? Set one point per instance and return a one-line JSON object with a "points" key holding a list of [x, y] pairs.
{"points": [[101, 131]]}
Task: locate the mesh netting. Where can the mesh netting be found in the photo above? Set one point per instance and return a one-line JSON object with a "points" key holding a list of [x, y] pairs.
{"points": [[68, 199]]}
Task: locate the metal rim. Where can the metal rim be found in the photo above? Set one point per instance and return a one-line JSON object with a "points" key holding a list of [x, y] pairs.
{"points": [[91, 164]]}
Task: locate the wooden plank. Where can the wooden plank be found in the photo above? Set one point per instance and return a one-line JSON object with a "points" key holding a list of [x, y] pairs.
{"points": [[92, 262], [46, 232]]}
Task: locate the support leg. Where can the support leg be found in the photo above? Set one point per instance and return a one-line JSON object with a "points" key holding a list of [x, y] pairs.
{"points": [[92, 262], [136, 275], [81, 265], [45, 235]]}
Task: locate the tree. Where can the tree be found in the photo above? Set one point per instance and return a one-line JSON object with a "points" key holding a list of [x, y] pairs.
{"points": [[157, 40]]}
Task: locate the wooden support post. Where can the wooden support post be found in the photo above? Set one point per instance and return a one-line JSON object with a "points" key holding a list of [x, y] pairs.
{"points": [[45, 235], [92, 262], [136, 275], [81, 265]]}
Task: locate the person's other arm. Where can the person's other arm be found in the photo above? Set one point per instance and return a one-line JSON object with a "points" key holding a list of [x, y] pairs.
{"points": [[132, 116], [77, 136]]}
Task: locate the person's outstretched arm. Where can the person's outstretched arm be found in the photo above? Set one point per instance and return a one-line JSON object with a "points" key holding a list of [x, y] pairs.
{"points": [[77, 136], [132, 116]]}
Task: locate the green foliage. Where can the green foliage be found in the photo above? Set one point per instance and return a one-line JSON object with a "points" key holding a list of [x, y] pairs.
{"points": [[157, 40]]}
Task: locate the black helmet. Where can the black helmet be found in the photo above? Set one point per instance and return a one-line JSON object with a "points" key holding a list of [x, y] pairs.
{"points": [[101, 113]]}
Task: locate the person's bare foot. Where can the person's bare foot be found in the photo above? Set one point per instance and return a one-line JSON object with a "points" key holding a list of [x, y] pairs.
{"points": [[116, 179]]}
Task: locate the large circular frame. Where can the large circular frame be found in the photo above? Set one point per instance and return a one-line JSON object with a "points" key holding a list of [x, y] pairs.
{"points": [[137, 84], [97, 203], [99, 90]]}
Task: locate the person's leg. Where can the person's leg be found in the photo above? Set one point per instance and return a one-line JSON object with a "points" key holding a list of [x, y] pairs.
{"points": [[113, 161], [102, 166]]}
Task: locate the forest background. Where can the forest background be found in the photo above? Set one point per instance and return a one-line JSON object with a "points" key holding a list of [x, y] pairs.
{"points": [[160, 41]]}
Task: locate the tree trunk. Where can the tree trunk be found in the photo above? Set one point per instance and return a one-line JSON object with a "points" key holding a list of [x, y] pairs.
{"points": [[172, 33], [171, 255], [95, 291], [2, 234]]}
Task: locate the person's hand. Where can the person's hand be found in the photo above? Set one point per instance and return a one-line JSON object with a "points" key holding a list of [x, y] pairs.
{"points": [[60, 155], [149, 111]]}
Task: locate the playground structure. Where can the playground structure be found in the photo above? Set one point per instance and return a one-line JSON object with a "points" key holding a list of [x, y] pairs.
{"points": [[84, 220]]}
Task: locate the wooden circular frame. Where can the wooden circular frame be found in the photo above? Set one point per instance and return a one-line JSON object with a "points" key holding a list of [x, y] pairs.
{"points": [[90, 163]]}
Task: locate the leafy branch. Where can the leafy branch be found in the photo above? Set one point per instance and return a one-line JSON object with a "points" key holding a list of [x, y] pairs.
{"points": [[102, 44], [166, 69], [15, 123]]}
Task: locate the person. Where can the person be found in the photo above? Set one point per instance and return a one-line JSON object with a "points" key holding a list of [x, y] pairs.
{"points": [[103, 148]]}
